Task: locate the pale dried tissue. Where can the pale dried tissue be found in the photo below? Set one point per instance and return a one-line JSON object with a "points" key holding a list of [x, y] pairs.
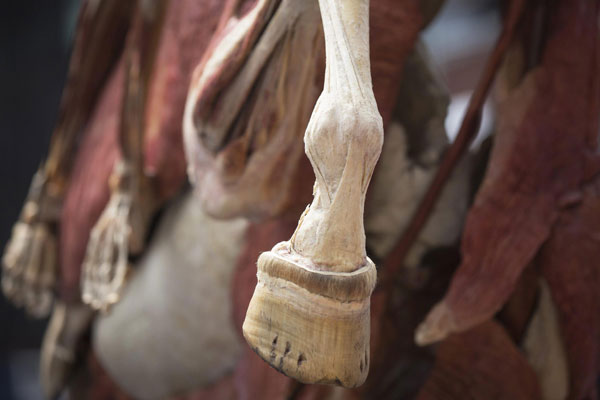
{"points": [[157, 345], [247, 109], [544, 348]]}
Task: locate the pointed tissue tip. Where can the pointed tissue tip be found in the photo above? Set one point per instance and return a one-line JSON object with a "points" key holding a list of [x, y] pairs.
{"points": [[424, 335], [436, 326]]}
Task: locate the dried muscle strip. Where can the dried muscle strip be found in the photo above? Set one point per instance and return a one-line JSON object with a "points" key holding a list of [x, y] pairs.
{"points": [[188, 28], [543, 152], [481, 363], [88, 191], [394, 29], [100, 37]]}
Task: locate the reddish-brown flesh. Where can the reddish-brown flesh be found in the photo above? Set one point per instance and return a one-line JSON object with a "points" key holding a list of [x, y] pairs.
{"points": [[543, 152], [394, 28], [540, 197], [88, 191], [569, 263], [186, 35], [481, 363], [98, 42]]}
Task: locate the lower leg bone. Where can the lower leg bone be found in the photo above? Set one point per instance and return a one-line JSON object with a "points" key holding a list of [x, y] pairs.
{"points": [[309, 316]]}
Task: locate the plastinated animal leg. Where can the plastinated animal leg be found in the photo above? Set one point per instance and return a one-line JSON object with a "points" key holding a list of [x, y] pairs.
{"points": [[309, 315]]}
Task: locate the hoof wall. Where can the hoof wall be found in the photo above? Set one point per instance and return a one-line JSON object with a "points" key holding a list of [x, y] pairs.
{"points": [[312, 326]]}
